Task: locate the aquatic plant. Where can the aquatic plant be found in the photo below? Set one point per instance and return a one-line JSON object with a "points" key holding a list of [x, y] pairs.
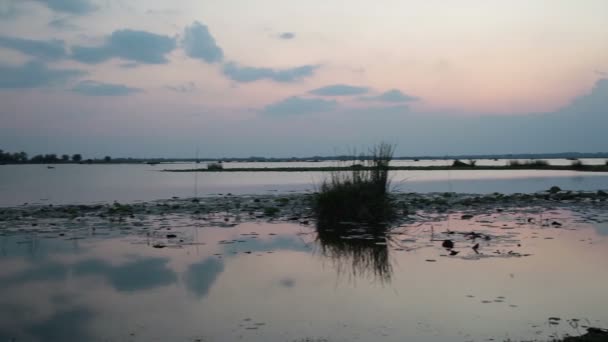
{"points": [[271, 211], [359, 194]]}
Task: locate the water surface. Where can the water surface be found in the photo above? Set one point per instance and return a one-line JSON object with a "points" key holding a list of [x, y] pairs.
{"points": [[88, 280], [141, 182]]}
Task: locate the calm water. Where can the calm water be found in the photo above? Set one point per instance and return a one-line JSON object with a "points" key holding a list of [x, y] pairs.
{"points": [[127, 183], [265, 282]]}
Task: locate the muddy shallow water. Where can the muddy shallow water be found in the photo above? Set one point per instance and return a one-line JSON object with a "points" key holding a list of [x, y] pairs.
{"points": [[234, 273]]}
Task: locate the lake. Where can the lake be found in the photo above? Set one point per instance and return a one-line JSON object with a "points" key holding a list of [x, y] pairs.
{"points": [[219, 278], [141, 182]]}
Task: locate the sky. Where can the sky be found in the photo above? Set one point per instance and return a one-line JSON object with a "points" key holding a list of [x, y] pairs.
{"points": [[239, 78]]}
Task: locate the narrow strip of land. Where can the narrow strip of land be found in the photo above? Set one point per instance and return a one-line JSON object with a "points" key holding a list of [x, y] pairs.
{"points": [[583, 168]]}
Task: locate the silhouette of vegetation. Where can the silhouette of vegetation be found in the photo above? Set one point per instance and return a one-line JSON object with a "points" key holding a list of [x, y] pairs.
{"points": [[359, 194], [354, 210], [215, 166], [459, 163], [530, 163], [77, 158], [577, 164]]}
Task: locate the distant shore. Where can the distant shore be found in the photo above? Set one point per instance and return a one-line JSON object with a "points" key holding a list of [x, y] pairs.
{"points": [[583, 168]]}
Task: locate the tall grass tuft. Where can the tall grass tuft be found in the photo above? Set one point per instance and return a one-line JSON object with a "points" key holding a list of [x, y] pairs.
{"points": [[359, 194]]}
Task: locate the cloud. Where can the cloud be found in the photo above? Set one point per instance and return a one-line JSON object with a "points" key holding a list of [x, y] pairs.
{"points": [[297, 105], [47, 50], [8, 10], [62, 24], [393, 95], [167, 11], [94, 88], [35, 75], [129, 65], [252, 74], [287, 35], [183, 88], [79, 7], [198, 43], [339, 90], [132, 45]]}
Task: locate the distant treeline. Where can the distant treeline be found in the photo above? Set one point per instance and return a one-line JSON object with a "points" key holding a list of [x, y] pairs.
{"points": [[23, 158]]}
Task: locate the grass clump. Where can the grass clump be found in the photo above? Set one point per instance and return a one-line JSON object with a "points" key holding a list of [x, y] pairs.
{"points": [[359, 194], [215, 166], [459, 163]]}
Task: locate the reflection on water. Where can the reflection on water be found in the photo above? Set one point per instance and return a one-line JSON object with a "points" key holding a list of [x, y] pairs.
{"points": [[356, 251], [265, 282], [200, 276]]}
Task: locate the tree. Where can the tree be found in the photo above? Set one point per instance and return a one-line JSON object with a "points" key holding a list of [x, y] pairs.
{"points": [[77, 158], [22, 157], [107, 159], [65, 158]]}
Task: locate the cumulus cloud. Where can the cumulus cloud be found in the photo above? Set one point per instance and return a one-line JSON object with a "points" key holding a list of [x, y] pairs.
{"points": [[200, 44], [132, 45], [79, 7], [94, 88], [48, 50], [252, 74], [340, 90], [393, 95], [35, 75], [287, 35], [298, 105]]}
